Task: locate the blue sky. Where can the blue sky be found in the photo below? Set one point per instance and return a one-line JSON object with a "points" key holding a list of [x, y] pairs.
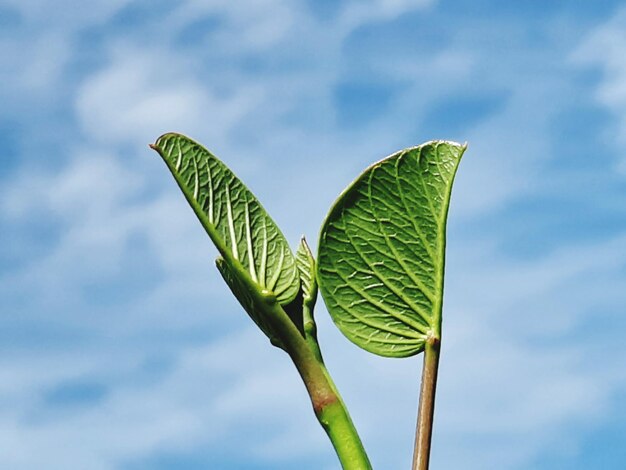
{"points": [[120, 347]]}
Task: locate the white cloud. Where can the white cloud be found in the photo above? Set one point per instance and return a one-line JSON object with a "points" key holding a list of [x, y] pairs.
{"points": [[248, 25], [605, 48], [143, 94], [65, 14], [359, 13], [99, 206], [523, 397], [516, 392], [36, 57], [213, 392]]}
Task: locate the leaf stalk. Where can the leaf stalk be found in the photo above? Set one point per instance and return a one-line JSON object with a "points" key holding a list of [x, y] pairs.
{"points": [[424, 429]]}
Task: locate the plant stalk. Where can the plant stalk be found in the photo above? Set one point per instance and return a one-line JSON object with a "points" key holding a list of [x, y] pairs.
{"points": [[332, 414], [424, 430], [328, 405]]}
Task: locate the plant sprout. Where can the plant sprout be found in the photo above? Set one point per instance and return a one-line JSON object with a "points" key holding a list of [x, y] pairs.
{"points": [[380, 269]]}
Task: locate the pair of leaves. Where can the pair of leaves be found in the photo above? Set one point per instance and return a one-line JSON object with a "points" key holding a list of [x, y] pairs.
{"points": [[255, 256], [254, 252], [381, 251]]}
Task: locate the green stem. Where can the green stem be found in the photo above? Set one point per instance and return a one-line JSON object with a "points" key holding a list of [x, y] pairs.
{"points": [[310, 331], [328, 406], [332, 414], [424, 431], [331, 411]]}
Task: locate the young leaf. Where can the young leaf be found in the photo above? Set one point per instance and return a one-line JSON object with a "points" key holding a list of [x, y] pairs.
{"points": [[306, 267], [242, 231], [382, 247]]}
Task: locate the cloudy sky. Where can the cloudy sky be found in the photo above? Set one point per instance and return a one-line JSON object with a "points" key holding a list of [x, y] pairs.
{"points": [[120, 347]]}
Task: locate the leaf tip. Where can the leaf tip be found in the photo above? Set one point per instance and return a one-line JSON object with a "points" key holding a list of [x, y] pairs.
{"points": [[305, 243], [162, 137]]}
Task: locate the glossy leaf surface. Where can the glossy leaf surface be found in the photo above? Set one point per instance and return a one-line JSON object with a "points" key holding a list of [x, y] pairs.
{"points": [[382, 249], [239, 226]]}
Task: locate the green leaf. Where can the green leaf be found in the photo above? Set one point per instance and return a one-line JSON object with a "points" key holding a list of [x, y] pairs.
{"points": [[382, 249], [242, 293], [239, 226], [306, 267]]}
